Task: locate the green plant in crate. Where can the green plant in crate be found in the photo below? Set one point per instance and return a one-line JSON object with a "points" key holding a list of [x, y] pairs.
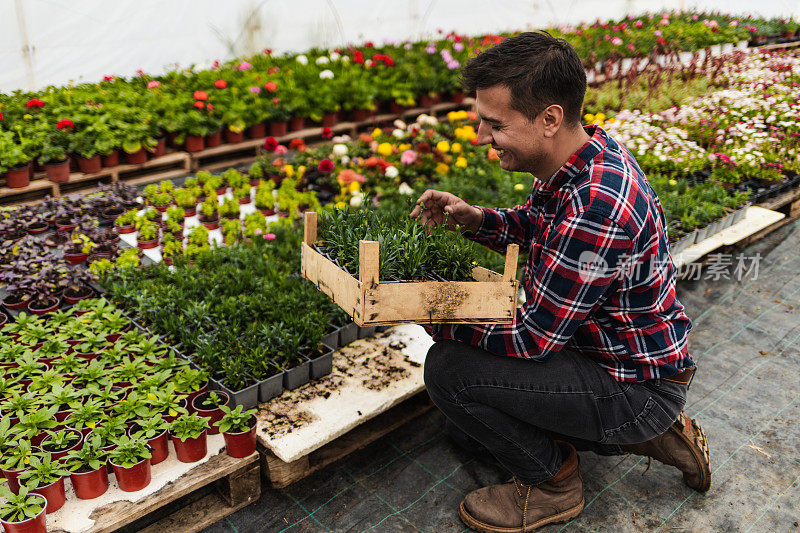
{"points": [[188, 426], [235, 420], [20, 507]]}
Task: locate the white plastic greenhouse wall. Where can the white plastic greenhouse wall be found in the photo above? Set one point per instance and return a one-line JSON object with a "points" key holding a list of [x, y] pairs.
{"points": [[44, 42]]}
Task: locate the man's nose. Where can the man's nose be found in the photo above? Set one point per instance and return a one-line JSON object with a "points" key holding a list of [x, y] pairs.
{"points": [[483, 136]]}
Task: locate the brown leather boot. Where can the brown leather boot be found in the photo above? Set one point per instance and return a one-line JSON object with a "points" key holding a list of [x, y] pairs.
{"points": [[683, 446], [517, 508]]}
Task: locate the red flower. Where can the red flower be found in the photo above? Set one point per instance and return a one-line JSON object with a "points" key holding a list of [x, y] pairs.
{"points": [[108, 78], [220, 84], [661, 40], [34, 102], [358, 57], [276, 101], [326, 165], [271, 86], [297, 144], [199, 105], [200, 95], [327, 133], [270, 143], [210, 107], [1, 116], [369, 44], [273, 70], [65, 123], [267, 51]]}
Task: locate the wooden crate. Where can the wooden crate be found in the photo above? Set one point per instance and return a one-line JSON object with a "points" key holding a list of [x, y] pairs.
{"points": [[236, 483], [490, 299], [279, 474]]}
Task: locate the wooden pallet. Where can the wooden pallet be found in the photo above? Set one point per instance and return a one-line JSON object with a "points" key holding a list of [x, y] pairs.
{"points": [[236, 482], [279, 474]]}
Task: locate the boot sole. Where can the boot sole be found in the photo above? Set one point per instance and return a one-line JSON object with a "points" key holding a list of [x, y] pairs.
{"points": [[482, 527], [698, 443]]}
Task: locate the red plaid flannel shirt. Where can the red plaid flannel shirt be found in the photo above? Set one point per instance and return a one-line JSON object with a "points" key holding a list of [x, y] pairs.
{"points": [[599, 278]]}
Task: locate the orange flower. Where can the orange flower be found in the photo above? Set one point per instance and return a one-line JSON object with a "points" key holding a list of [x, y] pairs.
{"points": [[492, 154], [200, 95], [220, 84], [271, 86], [365, 138], [199, 105]]}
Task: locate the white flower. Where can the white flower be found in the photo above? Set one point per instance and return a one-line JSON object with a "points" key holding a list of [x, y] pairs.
{"points": [[340, 149], [400, 124], [345, 59], [398, 133], [368, 63], [335, 56], [356, 199], [303, 60], [326, 74], [322, 60], [391, 172], [345, 159], [341, 139], [404, 188]]}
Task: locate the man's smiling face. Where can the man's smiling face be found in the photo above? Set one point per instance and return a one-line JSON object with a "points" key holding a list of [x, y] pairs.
{"points": [[516, 139]]}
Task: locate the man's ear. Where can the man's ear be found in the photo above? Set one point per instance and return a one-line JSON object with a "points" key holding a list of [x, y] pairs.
{"points": [[552, 118]]}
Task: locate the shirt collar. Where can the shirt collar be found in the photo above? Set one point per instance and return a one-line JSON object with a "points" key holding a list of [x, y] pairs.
{"points": [[580, 159]]}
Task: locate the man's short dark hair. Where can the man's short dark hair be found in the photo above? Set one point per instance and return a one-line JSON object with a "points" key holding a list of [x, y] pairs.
{"points": [[537, 68]]}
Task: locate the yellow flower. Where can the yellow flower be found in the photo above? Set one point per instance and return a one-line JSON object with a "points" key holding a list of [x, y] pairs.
{"points": [[289, 169], [454, 116], [588, 117], [461, 162], [441, 168], [376, 132], [673, 182], [600, 116], [600, 123], [443, 146], [300, 171], [340, 205], [455, 148], [403, 147], [611, 121], [354, 186], [519, 187], [465, 133], [90, 425], [385, 149]]}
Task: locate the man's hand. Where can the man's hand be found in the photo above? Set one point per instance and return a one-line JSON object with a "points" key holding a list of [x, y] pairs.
{"points": [[437, 208]]}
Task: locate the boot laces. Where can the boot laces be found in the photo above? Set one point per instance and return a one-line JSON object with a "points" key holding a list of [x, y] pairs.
{"points": [[519, 486]]}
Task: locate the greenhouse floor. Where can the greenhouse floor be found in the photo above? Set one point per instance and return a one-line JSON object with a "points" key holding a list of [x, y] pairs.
{"points": [[745, 394]]}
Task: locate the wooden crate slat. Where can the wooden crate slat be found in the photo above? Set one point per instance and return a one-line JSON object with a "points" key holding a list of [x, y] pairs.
{"points": [[343, 289]]}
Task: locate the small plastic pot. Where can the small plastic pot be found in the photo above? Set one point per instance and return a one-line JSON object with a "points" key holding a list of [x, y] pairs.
{"points": [[213, 415], [158, 446], [134, 478], [54, 494], [191, 450], [139, 157], [90, 485], [233, 137], [18, 177], [213, 140], [44, 310], [37, 524], [90, 165], [12, 476], [241, 444]]}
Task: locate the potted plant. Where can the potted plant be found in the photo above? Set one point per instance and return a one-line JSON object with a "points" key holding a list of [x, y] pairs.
{"points": [[131, 463], [161, 201], [53, 156], [209, 405], [191, 382], [148, 235], [60, 442], [43, 291], [229, 209], [186, 199], [34, 424], [88, 471], [46, 478], [209, 216], [126, 223], [256, 172], [78, 286], [189, 436], [242, 194], [167, 403], [238, 428], [23, 512], [171, 250], [85, 416], [16, 460], [153, 430]]}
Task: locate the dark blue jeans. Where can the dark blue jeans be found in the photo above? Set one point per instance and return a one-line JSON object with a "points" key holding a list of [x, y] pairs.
{"points": [[515, 409]]}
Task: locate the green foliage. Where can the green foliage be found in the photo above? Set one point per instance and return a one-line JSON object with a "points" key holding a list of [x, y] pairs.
{"points": [[188, 426], [236, 420]]}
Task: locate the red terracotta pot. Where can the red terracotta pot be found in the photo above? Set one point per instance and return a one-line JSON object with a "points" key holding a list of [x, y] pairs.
{"points": [[37, 228], [213, 415], [241, 444], [160, 448], [360, 115], [72, 300], [18, 305], [134, 478], [245, 200], [90, 485], [162, 208], [37, 524], [296, 123], [58, 172], [139, 157], [233, 137], [125, 229], [161, 148], [54, 494], [213, 140], [329, 119], [90, 165], [189, 211], [13, 479], [110, 160], [211, 224], [257, 131], [146, 245], [194, 143], [191, 450], [44, 311], [19, 177], [278, 128], [75, 259]]}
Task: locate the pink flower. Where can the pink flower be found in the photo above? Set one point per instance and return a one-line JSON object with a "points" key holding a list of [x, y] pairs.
{"points": [[408, 157], [255, 90], [616, 41], [153, 84], [244, 65], [458, 47], [638, 23], [664, 22], [281, 149], [269, 236], [658, 33], [631, 47]]}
